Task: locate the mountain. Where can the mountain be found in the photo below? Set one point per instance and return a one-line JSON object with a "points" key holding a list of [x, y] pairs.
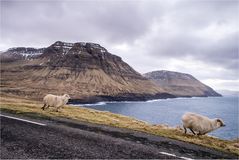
{"points": [[86, 71], [180, 84]]}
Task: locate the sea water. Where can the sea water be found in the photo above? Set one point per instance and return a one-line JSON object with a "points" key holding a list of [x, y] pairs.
{"points": [[170, 111]]}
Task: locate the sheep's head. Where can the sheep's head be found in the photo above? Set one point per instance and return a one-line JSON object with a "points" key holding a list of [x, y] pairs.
{"points": [[67, 96], [219, 122]]}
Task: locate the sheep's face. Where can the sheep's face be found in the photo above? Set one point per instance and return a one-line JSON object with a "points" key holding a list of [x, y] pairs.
{"points": [[67, 96], [220, 123]]}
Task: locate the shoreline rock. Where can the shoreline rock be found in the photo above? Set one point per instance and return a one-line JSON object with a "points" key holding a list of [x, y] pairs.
{"points": [[121, 97]]}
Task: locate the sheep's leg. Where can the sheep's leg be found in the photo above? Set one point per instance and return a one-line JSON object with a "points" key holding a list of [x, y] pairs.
{"points": [[185, 130], [199, 133], [192, 131], [57, 109], [43, 108]]}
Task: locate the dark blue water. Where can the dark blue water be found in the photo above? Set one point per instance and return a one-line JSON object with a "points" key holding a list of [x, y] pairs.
{"points": [[169, 111]]}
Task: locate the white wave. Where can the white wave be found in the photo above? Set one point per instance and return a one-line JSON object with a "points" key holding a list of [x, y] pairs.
{"points": [[154, 100], [99, 103], [91, 104], [126, 102], [107, 102], [122, 102]]}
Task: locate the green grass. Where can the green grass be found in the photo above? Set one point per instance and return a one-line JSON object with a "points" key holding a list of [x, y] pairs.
{"points": [[33, 109]]}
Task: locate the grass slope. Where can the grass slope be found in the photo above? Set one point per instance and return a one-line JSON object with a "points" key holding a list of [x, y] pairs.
{"points": [[33, 109]]}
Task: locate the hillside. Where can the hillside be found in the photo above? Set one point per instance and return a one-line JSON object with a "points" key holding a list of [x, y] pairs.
{"points": [[86, 71], [180, 84]]}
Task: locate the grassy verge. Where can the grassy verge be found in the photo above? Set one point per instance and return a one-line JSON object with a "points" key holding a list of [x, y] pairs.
{"points": [[33, 109]]}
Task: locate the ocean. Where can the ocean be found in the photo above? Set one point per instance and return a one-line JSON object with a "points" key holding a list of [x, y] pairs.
{"points": [[170, 111]]}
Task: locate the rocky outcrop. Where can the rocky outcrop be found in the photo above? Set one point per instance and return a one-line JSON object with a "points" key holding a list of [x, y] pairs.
{"points": [[20, 53], [180, 84], [86, 71]]}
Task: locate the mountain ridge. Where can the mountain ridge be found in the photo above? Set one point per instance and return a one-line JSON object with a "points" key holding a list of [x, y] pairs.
{"points": [[180, 84]]}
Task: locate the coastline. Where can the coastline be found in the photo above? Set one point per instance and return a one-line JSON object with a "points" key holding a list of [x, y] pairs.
{"points": [[110, 99], [120, 97]]}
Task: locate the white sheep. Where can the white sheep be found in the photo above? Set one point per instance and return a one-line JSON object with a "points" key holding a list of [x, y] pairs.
{"points": [[200, 124], [51, 100]]}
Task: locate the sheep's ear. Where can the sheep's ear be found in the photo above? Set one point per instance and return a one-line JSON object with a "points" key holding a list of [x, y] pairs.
{"points": [[220, 121]]}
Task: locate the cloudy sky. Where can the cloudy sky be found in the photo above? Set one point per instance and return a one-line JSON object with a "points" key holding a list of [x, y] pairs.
{"points": [[199, 37]]}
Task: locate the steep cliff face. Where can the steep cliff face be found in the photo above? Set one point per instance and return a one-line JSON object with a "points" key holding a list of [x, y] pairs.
{"points": [[180, 84], [86, 71], [83, 56]]}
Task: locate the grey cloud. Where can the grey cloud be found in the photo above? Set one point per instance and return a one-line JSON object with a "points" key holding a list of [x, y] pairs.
{"points": [[178, 34], [186, 39], [223, 52], [117, 22], [201, 13], [29, 22]]}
